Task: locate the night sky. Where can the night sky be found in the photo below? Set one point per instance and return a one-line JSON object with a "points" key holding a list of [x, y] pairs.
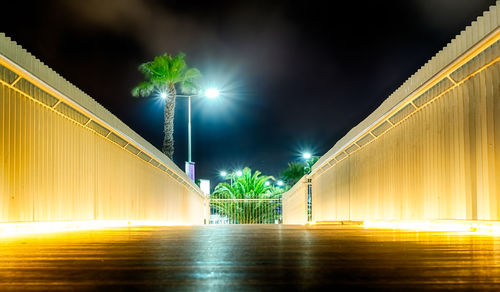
{"points": [[296, 75]]}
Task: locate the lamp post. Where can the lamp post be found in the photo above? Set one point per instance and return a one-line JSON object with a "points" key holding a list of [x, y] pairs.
{"points": [[307, 159], [210, 93]]}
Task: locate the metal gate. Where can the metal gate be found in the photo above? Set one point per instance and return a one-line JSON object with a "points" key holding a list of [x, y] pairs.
{"points": [[245, 211]]}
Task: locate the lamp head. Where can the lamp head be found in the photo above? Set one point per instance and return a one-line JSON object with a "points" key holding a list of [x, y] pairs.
{"points": [[212, 93]]}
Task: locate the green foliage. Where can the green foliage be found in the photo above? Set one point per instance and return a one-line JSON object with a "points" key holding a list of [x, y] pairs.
{"points": [[165, 71], [293, 173], [241, 208], [246, 186], [161, 76], [296, 170], [309, 164]]}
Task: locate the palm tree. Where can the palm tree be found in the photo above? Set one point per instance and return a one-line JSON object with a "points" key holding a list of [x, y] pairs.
{"points": [[161, 76], [296, 170], [293, 173], [238, 204], [310, 163]]}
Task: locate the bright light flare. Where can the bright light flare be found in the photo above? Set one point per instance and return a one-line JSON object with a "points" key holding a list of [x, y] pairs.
{"points": [[239, 173], [267, 183], [307, 155], [280, 183], [212, 93], [163, 95], [223, 173]]}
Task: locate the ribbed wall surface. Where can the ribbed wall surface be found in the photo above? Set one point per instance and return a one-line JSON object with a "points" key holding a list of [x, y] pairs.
{"points": [[442, 162], [431, 150], [295, 204], [59, 161]]}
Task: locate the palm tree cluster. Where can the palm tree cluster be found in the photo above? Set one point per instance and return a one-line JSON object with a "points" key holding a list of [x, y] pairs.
{"points": [[248, 199], [161, 76]]}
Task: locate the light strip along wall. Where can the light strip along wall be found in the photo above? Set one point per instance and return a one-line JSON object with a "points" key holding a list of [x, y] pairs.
{"points": [[431, 150], [65, 157]]}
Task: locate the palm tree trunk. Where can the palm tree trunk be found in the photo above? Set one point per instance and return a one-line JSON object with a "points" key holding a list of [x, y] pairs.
{"points": [[168, 126]]}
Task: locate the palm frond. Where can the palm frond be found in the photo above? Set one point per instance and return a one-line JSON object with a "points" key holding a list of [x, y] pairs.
{"points": [[165, 71], [178, 66], [247, 186], [191, 74], [144, 89], [189, 87]]}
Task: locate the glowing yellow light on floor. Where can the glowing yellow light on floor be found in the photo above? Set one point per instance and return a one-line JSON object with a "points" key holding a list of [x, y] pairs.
{"points": [[25, 228], [309, 223], [475, 227]]}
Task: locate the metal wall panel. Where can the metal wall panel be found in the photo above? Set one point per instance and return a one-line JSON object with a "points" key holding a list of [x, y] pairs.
{"points": [[295, 204], [467, 45], [436, 147], [60, 161], [441, 162]]}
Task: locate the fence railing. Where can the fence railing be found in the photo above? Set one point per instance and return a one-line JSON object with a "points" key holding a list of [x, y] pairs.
{"points": [[245, 211]]}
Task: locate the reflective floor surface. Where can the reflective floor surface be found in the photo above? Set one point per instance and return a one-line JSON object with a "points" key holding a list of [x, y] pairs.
{"points": [[249, 257]]}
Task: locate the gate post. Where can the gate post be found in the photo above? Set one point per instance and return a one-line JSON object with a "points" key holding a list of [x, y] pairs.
{"points": [[309, 199]]}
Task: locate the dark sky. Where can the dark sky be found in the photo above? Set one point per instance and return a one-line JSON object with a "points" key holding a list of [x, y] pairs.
{"points": [[296, 75]]}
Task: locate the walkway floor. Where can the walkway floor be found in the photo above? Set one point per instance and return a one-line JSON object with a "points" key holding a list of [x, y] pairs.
{"points": [[246, 257]]}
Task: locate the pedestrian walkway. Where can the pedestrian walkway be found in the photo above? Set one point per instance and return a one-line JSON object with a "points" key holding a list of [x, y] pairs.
{"points": [[249, 257]]}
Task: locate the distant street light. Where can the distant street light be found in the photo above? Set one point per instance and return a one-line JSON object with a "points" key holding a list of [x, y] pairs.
{"points": [[226, 175], [267, 183], [308, 161], [280, 183]]}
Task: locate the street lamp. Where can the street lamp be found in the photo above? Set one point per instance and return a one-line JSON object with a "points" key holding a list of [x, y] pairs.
{"points": [[308, 160], [280, 183], [211, 93], [224, 175]]}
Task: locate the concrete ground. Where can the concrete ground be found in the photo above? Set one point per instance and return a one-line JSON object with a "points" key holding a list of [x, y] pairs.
{"points": [[249, 257]]}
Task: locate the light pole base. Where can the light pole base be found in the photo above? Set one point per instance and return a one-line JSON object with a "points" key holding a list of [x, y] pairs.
{"points": [[190, 170]]}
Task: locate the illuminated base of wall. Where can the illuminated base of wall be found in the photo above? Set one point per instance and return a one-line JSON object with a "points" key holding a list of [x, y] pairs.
{"points": [[25, 228], [473, 227], [467, 226]]}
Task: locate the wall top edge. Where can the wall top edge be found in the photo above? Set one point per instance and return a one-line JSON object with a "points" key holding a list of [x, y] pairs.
{"points": [[460, 44], [294, 188], [28, 63]]}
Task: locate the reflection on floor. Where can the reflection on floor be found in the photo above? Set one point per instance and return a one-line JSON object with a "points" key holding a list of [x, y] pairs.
{"points": [[249, 257]]}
